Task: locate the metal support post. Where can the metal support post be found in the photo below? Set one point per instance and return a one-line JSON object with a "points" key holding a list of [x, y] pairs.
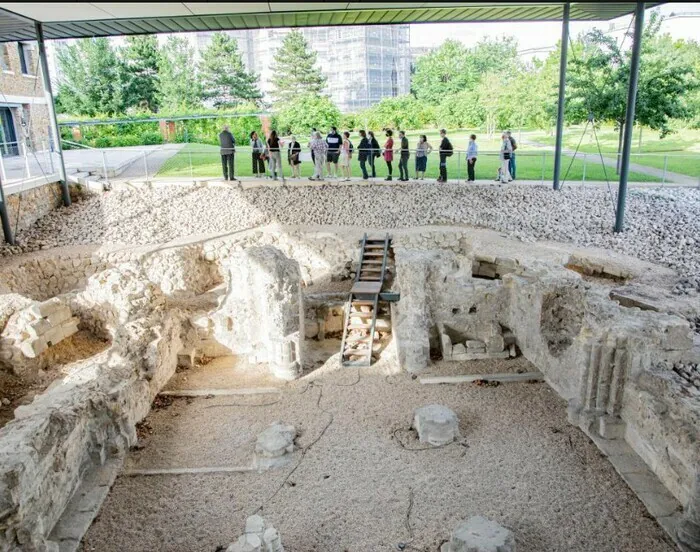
{"points": [[26, 160], [5, 219], [583, 178], [65, 193], [562, 89], [663, 180], [629, 116], [145, 164], [104, 166]]}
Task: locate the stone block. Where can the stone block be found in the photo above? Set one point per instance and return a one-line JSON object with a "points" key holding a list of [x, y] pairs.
{"points": [[38, 327], [43, 310], [436, 425], [487, 271], [479, 534], [274, 445], [611, 427], [59, 315], [459, 350], [496, 344], [446, 346], [53, 336], [475, 346], [258, 537], [32, 348], [70, 327]]}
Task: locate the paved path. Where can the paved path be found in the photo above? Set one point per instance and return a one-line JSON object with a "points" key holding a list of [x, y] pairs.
{"points": [[669, 176], [155, 158]]}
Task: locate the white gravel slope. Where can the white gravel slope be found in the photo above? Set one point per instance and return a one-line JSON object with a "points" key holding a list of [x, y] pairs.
{"points": [[663, 225]]}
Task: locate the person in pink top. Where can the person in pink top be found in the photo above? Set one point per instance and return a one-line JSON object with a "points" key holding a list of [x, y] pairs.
{"points": [[389, 152]]}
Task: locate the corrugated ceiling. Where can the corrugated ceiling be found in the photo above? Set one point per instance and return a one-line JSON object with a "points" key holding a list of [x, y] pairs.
{"points": [[84, 19]]}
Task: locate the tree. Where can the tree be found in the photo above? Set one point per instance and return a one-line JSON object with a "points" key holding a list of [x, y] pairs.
{"points": [[92, 78], [599, 79], [225, 80], [140, 58], [179, 86], [442, 72], [491, 94], [306, 112], [294, 70]]}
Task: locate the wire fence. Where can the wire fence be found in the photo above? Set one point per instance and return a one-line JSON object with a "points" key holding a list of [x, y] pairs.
{"points": [[201, 162]]}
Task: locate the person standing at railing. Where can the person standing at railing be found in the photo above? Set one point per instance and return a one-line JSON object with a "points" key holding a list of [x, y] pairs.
{"points": [[258, 149], [374, 154], [445, 152], [273, 147], [227, 145], [505, 153], [472, 152], [423, 148], [319, 148], [333, 141], [404, 156], [511, 164], [313, 133], [346, 155], [389, 152], [365, 152], [293, 152]]}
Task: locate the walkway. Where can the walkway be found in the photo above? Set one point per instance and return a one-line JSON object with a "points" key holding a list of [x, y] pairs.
{"points": [[668, 176]]}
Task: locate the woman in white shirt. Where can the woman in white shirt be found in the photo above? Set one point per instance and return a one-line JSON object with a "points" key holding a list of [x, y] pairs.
{"points": [[506, 152]]}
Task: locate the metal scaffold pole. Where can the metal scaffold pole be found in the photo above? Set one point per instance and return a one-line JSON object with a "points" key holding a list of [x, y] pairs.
{"points": [[562, 89]]}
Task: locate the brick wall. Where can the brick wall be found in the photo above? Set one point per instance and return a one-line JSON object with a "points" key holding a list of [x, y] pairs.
{"points": [[31, 205]]}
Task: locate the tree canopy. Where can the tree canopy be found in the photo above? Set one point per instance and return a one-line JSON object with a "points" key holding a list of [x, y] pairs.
{"points": [[294, 70], [179, 85], [225, 80], [141, 82]]}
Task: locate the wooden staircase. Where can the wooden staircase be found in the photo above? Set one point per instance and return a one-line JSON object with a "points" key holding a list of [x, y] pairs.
{"points": [[363, 305]]}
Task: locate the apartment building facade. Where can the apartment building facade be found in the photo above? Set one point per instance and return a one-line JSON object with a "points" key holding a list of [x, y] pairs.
{"points": [[24, 114]]}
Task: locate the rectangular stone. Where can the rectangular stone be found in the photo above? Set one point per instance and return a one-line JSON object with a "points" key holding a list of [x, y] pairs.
{"points": [[503, 378], [53, 336], [47, 307], [32, 348], [480, 356], [38, 328], [59, 315], [487, 271], [70, 327], [611, 427], [475, 345]]}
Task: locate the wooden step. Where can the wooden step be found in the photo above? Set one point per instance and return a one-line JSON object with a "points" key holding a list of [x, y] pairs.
{"points": [[357, 338], [363, 269], [369, 279], [370, 262], [359, 326], [361, 314], [362, 303], [358, 363], [372, 254]]}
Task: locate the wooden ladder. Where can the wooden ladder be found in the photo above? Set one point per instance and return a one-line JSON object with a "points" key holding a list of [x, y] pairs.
{"points": [[363, 304]]}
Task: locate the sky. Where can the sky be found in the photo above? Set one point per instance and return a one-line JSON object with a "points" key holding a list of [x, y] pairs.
{"points": [[547, 34]]}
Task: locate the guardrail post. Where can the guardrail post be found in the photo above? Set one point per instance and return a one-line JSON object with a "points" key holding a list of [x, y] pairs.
{"points": [[544, 155], [104, 166], [2, 167], [189, 154], [5, 219], [26, 160], [583, 179], [459, 165], [663, 180], [145, 164]]}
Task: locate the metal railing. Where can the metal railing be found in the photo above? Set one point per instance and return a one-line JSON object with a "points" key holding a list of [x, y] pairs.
{"points": [[27, 164]]}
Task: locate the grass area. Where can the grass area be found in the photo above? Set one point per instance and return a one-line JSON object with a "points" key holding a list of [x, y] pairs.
{"points": [[679, 152], [201, 161]]}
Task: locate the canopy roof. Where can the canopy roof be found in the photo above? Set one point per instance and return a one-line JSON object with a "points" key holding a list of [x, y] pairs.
{"points": [[86, 19]]}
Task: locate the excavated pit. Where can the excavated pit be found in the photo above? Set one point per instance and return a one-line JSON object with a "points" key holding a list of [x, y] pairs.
{"points": [[185, 353]]}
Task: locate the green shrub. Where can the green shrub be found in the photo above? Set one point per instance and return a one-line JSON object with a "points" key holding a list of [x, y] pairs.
{"points": [[151, 138]]}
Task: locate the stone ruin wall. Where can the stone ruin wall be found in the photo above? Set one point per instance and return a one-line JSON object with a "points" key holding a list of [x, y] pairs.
{"points": [[596, 354]]}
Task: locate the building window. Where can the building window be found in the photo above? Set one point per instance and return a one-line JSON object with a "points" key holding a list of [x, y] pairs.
{"points": [[25, 58]]}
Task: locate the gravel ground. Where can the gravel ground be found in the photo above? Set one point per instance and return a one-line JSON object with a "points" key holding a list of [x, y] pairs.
{"points": [[358, 488], [663, 225]]}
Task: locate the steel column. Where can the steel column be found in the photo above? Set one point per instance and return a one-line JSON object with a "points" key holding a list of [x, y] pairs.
{"points": [[562, 89], [5, 219], [629, 116], [52, 112]]}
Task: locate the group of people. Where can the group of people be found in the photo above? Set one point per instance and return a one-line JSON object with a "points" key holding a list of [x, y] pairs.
{"points": [[335, 152]]}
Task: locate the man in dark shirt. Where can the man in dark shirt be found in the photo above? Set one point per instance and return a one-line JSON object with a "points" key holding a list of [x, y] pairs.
{"points": [[403, 160], [334, 142], [227, 143], [364, 153], [445, 152]]}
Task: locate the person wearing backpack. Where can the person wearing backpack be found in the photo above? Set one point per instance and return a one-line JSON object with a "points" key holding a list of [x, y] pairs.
{"points": [[364, 153], [403, 159], [374, 154], [446, 151], [511, 164]]}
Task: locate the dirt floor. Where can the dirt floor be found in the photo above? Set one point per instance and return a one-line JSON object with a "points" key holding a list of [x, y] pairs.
{"points": [[20, 390], [360, 481]]}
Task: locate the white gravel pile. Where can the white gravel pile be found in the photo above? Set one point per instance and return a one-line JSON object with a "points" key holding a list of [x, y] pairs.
{"points": [[662, 226]]}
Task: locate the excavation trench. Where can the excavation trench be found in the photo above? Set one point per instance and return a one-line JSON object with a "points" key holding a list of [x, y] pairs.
{"points": [[204, 344]]}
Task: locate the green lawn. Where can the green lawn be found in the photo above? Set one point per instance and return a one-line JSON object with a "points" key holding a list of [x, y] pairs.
{"points": [[201, 161], [679, 152]]}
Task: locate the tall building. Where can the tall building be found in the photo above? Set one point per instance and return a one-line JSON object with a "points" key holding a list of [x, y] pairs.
{"points": [[362, 64]]}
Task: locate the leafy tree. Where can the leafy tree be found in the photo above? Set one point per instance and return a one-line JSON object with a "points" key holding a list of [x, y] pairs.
{"points": [[600, 74], [179, 85], [140, 58], [400, 112], [491, 94], [492, 54], [294, 70], [224, 78], [92, 79], [306, 112], [442, 72]]}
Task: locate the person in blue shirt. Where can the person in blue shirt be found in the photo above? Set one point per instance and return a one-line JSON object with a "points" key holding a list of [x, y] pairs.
{"points": [[472, 152]]}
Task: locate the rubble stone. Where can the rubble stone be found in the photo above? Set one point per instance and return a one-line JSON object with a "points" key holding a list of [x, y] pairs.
{"points": [[479, 534], [274, 445], [258, 537], [436, 425]]}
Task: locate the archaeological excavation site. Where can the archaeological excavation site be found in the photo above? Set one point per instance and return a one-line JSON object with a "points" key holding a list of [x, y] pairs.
{"points": [[284, 383]]}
